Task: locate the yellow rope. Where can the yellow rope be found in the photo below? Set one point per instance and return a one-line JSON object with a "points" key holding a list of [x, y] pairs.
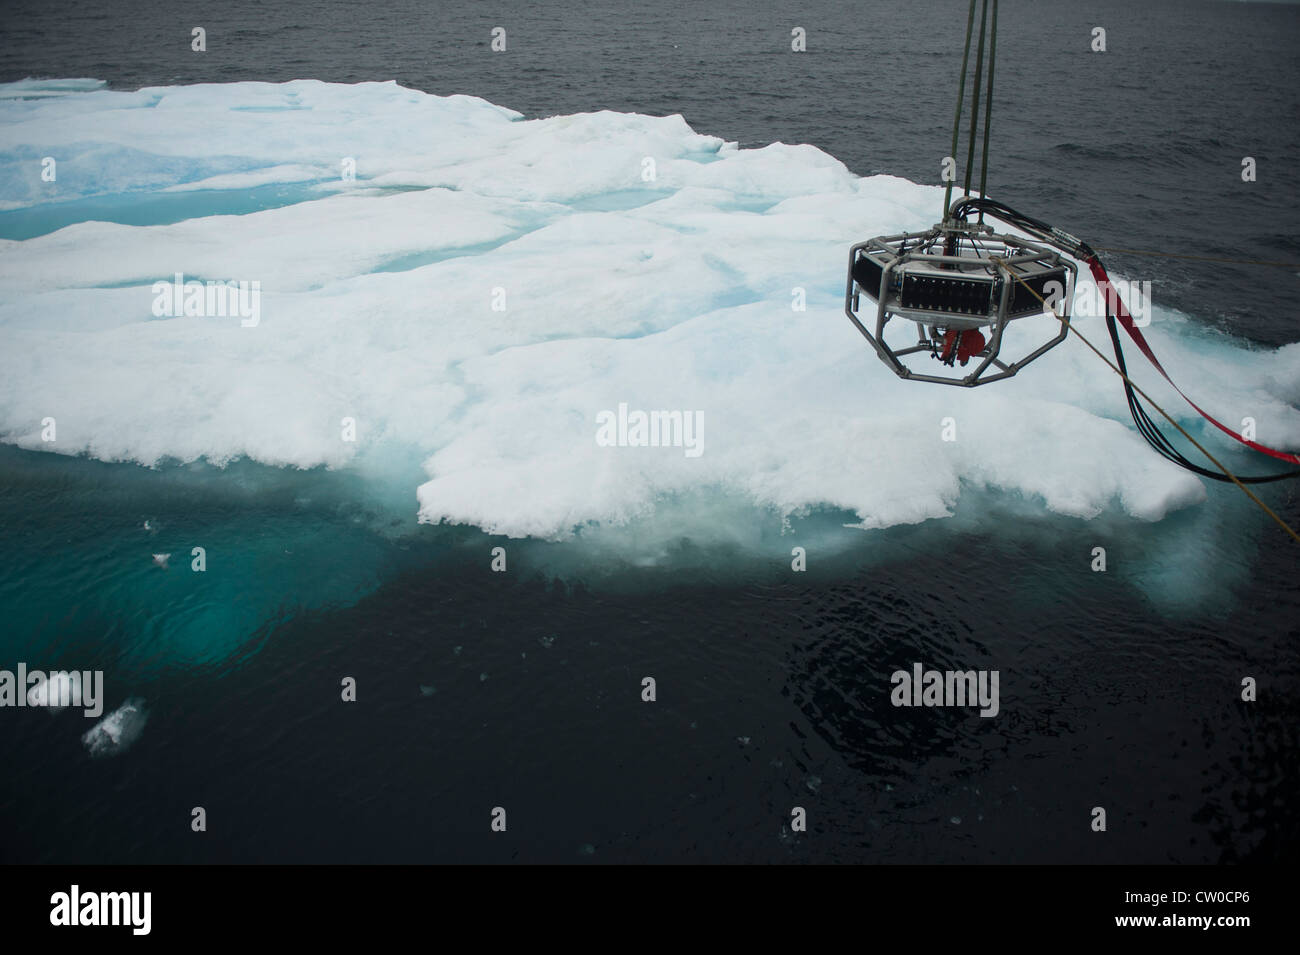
{"points": [[1113, 367], [1201, 258]]}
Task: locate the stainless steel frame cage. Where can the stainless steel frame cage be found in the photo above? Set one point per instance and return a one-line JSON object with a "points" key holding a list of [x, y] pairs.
{"points": [[948, 279]]}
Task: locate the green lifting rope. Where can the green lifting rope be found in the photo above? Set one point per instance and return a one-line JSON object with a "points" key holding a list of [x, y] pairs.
{"points": [[991, 35]]}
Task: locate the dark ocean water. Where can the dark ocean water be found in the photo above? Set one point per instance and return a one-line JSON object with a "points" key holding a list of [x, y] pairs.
{"points": [[522, 690]]}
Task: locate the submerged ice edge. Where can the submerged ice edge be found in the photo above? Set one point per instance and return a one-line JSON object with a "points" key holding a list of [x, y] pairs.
{"points": [[529, 315]]}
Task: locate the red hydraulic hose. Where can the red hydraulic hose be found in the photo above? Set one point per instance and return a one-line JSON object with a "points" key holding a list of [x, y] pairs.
{"points": [[1125, 319]]}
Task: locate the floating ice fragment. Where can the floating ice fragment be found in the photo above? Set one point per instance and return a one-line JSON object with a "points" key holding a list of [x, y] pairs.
{"points": [[118, 730]]}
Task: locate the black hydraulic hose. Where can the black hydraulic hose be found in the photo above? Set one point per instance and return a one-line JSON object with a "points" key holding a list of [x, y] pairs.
{"points": [[1072, 246]]}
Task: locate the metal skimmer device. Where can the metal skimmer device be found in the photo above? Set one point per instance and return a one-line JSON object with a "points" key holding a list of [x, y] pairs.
{"points": [[953, 283], [961, 285]]}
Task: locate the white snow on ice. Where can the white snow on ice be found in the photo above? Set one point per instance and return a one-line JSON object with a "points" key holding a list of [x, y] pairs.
{"points": [[377, 304]]}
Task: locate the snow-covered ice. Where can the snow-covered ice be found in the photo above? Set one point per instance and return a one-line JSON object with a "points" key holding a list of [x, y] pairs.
{"points": [[380, 302]]}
